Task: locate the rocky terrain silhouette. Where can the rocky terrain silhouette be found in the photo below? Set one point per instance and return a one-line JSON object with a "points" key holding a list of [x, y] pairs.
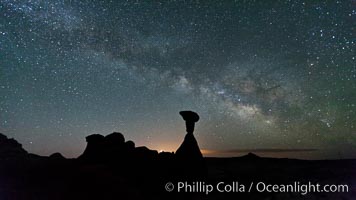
{"points": [[113, 148], [11, 149], [112, 168], [188, 156], [189, 150]]}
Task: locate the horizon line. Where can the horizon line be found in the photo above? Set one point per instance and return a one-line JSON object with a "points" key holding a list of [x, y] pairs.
{"points": [[259, 150]]}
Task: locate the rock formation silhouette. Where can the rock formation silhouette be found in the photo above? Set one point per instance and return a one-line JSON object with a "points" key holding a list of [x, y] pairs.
{"points": [[57, 156], [189, 159], [11, 149], [113, 149], [189, 149], [111, 168], [94, 150]]}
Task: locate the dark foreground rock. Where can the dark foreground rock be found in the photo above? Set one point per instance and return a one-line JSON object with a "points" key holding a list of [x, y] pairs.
{"points": [[10, 149], [112, 168], [147, 173]]}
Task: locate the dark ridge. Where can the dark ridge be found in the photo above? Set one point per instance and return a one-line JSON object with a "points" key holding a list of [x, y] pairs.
{"points": [[250, 156], [11, 149], [57, 156]]}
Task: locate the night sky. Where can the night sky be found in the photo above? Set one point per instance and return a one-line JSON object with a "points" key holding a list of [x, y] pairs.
{"points": [[276, 77]]}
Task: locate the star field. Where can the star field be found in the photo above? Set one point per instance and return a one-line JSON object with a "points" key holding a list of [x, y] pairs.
{"points": [[261, 75]]}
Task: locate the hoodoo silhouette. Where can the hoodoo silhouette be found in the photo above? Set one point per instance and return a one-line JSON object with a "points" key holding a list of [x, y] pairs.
{"points": [[190, 161], [189, 149]]}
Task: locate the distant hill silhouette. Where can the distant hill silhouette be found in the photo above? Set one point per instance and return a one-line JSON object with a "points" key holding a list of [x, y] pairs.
{"points": [[57, 156], [250, 156]]}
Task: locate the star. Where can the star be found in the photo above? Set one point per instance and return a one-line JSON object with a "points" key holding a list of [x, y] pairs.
{"points": [[260, 75]]}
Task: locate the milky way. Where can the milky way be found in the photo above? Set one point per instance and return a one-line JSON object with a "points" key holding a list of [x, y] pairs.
{"points": [[262, 75]]}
